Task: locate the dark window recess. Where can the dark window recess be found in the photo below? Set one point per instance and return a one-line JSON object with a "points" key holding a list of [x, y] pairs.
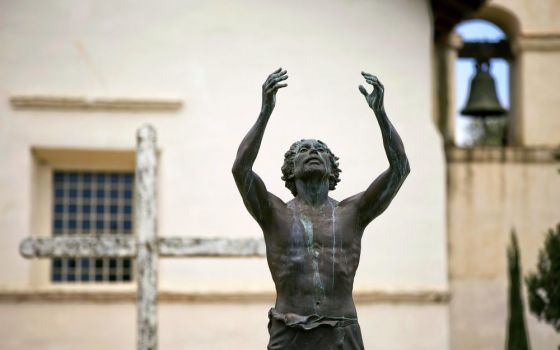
{"points": [[92, 203]]}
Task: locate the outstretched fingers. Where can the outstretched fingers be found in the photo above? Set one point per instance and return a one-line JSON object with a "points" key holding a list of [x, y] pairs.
{"points": [[276, 74], [278, 86], [273, 88], [279, 79], [272, 83]]}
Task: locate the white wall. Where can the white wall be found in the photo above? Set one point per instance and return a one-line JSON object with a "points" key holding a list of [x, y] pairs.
{"points": [[215, 55], [215, 326]]}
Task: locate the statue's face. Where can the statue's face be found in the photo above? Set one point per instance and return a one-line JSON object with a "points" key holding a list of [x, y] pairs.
{"points": [[311, 159]]}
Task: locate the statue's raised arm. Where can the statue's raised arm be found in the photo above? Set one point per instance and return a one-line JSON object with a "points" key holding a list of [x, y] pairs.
{"points": [[255, 196], [313, 241], [373, 201]]}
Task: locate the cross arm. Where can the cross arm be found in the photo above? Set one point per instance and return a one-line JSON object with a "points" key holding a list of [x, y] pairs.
{"points": [[125, 246], [78, 246], [211, 247]]}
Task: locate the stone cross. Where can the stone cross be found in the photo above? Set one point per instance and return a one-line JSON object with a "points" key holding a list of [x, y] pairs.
{"points": [[146, 247]]}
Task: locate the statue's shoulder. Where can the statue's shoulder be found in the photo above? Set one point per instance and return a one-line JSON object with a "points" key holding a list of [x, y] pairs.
{"points": [[350, 202], [276, 203]]}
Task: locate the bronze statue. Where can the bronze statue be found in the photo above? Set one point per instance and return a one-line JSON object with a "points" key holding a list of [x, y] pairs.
{"points": [[313, 242]]}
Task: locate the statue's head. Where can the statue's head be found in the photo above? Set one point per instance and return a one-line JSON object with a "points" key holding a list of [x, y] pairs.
{"points": [[309, 157]]}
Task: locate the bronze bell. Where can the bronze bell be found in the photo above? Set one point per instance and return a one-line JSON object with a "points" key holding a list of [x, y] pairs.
{"points": [[483, 99]]}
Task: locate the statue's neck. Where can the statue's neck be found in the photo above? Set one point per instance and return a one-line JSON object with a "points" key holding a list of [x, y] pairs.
{"points": [[313, 192]]}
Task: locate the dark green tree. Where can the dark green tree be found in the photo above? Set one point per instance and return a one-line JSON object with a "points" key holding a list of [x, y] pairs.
{"points": [[543, 286], [517, 338]]}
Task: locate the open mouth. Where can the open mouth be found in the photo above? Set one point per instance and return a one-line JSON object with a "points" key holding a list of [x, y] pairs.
{"points": [[314, 161]]}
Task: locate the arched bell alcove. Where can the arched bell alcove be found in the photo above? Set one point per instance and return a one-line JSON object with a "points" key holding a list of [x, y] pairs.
{"points": [[451, 88], [478, 36]]}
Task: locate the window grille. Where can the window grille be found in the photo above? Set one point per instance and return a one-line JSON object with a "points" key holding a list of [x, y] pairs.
{"points": [[92, 203]]}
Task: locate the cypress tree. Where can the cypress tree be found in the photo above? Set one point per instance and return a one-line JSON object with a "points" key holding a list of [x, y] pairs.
{"points": [[517, 338]]}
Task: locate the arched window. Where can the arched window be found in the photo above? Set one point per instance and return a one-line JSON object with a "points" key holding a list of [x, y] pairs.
{"points": [[471, 131]]}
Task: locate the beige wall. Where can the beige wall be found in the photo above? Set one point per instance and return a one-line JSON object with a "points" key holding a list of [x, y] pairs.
{"points": [[204, 326], [535, 17], [214, 56], [478, 318], [492, 191], [541, 100]]}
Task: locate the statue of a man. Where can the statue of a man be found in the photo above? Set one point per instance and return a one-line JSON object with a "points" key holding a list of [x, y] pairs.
{"points": [[313, 242]]}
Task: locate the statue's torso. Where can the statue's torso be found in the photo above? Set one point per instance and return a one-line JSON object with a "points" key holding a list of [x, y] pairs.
{"points": [[313, 254]]}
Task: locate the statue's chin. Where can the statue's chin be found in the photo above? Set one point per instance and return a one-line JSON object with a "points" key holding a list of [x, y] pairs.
{"points": [[313, 172]]}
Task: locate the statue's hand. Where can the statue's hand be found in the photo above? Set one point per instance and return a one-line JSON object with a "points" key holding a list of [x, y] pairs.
{"points": [[375, 99], [270, 87]]}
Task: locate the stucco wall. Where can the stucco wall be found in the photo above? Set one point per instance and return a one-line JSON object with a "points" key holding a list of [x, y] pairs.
{"points": [[478, 316], [492, 191], [214, 55], [204, 326], [541, 100], [536, 17]]}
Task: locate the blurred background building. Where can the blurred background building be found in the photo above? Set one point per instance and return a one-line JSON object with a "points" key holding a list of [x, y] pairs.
{"points": [[78, 79]]}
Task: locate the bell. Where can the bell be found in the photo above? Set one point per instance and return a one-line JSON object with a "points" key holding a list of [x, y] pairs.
{"points": [[483, 100]]}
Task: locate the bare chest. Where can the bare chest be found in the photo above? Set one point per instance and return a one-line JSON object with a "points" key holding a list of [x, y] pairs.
{"points": [[325, 228]]}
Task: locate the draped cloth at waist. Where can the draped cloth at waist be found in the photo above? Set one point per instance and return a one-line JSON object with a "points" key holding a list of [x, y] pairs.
{"points": [[291, 331], [308, 322]]}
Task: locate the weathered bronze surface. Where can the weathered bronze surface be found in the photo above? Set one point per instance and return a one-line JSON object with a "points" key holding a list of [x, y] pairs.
{"points": [[313, 242]]}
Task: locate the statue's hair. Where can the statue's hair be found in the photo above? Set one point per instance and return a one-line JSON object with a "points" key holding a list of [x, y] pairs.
{"points": [[288, 167]]}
